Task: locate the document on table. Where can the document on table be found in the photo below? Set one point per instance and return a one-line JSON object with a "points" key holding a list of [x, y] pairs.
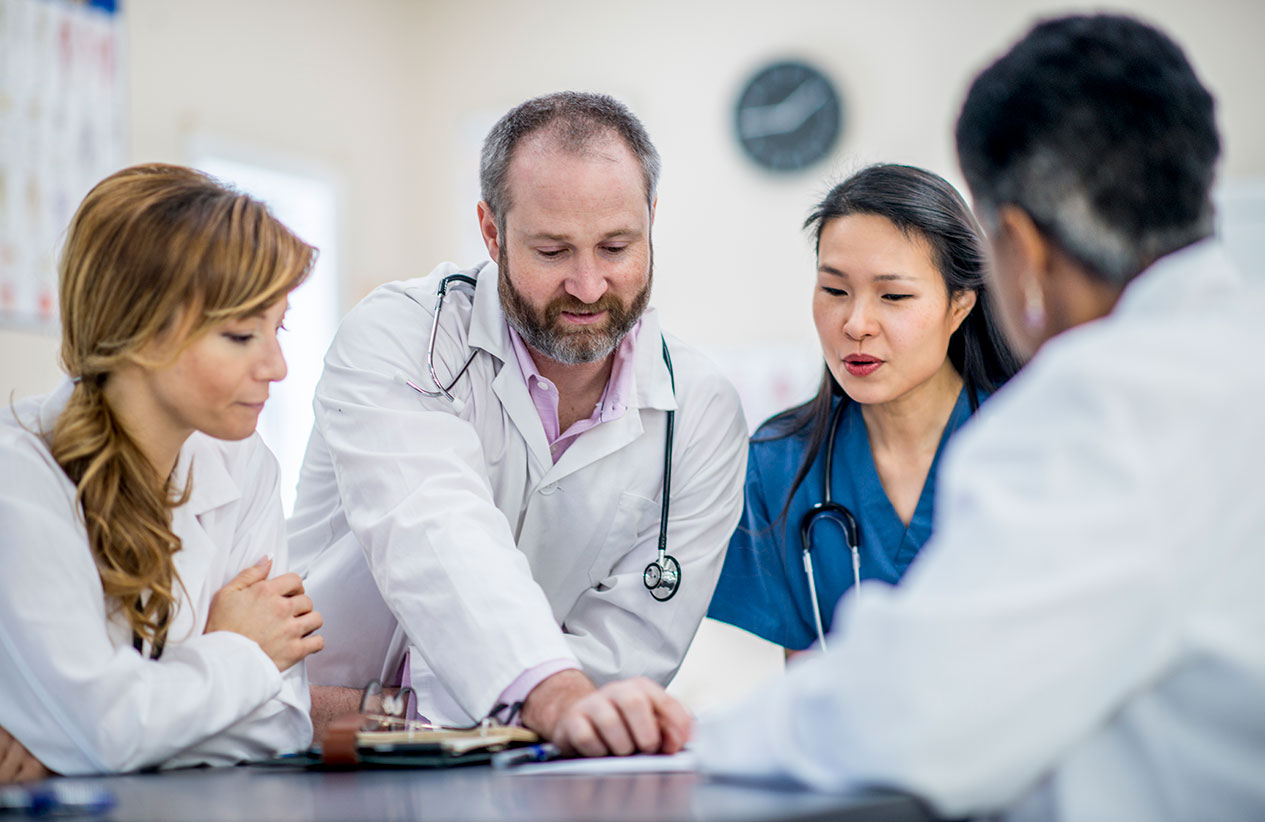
{"points": [[685, 761]]}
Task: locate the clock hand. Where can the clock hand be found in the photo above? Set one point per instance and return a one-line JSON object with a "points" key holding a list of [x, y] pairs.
{"points": [[785, 116]]}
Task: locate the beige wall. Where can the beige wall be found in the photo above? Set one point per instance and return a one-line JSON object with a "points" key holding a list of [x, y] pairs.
{"points": [[383, 94], [320, 85], [727, 235], [28, 362]]}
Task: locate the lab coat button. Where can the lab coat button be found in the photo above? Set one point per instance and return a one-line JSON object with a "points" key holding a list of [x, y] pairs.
{"points": [[549, 489]]}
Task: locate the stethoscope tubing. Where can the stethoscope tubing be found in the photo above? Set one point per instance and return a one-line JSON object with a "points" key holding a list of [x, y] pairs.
{"points": [[834, 512], [830, 511], [661, 577]]}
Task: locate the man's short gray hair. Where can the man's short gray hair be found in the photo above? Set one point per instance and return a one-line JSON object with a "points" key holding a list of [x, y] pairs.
{"points": [[576, 120]]}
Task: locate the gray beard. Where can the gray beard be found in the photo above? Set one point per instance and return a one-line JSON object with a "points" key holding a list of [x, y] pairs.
{"points": [[539, 328]]}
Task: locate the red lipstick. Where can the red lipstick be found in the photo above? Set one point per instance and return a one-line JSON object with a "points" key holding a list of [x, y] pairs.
{"points": [[861, 365]]}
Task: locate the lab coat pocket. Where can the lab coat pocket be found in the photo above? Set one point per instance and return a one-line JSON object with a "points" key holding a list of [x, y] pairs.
{"points": [[636, 521]]}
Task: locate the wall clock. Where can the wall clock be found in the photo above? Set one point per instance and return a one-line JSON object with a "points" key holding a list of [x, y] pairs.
{"points": [[788, 116]]}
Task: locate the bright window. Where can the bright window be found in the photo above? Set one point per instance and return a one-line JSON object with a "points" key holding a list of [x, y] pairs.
{"points": [[309, 206]]}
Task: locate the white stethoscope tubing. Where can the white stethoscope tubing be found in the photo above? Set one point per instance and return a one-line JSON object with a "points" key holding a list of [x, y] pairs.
{"points": [[812, 586], [812, 593]]}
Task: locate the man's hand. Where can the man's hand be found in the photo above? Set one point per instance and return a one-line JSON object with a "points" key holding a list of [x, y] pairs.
{"points": [[620, 718], [16, 763]]}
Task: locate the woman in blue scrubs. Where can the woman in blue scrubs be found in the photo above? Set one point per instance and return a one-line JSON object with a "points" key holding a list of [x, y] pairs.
{"points": [[911, 347]]}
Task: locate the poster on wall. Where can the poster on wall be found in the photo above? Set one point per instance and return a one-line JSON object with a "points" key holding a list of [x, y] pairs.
{"points": [[62, 128]]}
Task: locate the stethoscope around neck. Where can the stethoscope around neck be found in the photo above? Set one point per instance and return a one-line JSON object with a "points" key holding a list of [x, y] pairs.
{"points": [[829, 511], [662, 577]]}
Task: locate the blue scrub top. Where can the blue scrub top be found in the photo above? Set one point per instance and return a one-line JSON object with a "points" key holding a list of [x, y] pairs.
{"points": [[763, 588]]}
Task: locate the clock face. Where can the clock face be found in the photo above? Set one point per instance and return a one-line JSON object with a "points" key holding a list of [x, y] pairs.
{"points": [[788, 116]]}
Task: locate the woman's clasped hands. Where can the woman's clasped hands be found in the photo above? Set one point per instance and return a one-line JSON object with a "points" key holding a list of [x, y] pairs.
{"points": [[275, 613]]}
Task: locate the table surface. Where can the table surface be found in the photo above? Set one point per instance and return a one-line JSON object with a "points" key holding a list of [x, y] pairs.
{"points": [[476, 793]]}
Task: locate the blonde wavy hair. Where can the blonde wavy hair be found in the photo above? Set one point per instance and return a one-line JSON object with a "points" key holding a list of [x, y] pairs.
{"points": [[153, 251]]}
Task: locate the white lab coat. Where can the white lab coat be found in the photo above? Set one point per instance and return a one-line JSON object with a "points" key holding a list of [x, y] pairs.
{"points": [[73, 690], [1084, 635], [460, 525]]}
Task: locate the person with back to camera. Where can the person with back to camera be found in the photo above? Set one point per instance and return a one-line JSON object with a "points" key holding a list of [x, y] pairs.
{"points": [[1082, 636], [140, 513], [912, 347]]}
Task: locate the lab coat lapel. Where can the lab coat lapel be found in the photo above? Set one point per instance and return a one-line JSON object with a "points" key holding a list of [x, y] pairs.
{"points": [[651, 390], [596, 443], [212, 488], [488, 332]]}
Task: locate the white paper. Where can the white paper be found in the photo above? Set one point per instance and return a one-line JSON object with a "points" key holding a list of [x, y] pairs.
{"points": [[685, 761]]}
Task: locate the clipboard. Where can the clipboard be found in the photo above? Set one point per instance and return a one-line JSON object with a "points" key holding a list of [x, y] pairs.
{"points": [[379, 736], [348, 745]]}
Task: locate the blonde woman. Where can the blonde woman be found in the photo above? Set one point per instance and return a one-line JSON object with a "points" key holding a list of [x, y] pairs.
{"points": [[144, 618]]}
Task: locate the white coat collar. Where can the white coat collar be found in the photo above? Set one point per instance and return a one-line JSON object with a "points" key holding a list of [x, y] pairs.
{"points": [[213, 486], [1197, 271]]}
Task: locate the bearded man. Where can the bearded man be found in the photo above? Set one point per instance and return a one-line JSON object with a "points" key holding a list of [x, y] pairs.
{"points": [[484, 502]]}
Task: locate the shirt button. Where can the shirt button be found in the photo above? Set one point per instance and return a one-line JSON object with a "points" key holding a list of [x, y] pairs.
{"points": [[549, 489]]}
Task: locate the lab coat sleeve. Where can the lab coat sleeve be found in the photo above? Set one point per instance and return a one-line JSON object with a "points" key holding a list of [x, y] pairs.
{"points": [[78, 703], [617, 620], [1042, 601], [411, 474], [282, 723]]}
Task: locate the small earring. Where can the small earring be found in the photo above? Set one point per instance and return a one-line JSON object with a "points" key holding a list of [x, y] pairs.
{"points": [[1034, 310]]}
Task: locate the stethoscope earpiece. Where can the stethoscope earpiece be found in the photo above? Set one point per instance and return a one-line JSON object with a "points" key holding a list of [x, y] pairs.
{"points": [[663, 578]]}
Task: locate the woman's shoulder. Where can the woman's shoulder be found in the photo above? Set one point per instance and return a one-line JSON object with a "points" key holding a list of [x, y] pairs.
{"points": [[777, 451], [783, 430], [30, 472], [25, 426]]}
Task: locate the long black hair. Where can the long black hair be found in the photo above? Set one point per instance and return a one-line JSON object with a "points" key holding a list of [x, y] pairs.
{"points": [[920, 204]]}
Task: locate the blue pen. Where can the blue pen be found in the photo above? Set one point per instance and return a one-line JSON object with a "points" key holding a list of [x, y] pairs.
{"points": [[531, 753], [56, 799]]}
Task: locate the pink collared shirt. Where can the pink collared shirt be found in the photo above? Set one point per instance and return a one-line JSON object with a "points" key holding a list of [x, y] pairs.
{"points": [[544, 394]]}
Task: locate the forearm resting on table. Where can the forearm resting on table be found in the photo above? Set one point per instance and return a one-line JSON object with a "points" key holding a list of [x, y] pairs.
{"points": [[329, 702]]}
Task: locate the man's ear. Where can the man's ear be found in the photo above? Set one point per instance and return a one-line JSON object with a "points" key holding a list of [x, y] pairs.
{"points": [[489, 229], [1031, 254], [654, 204]]}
